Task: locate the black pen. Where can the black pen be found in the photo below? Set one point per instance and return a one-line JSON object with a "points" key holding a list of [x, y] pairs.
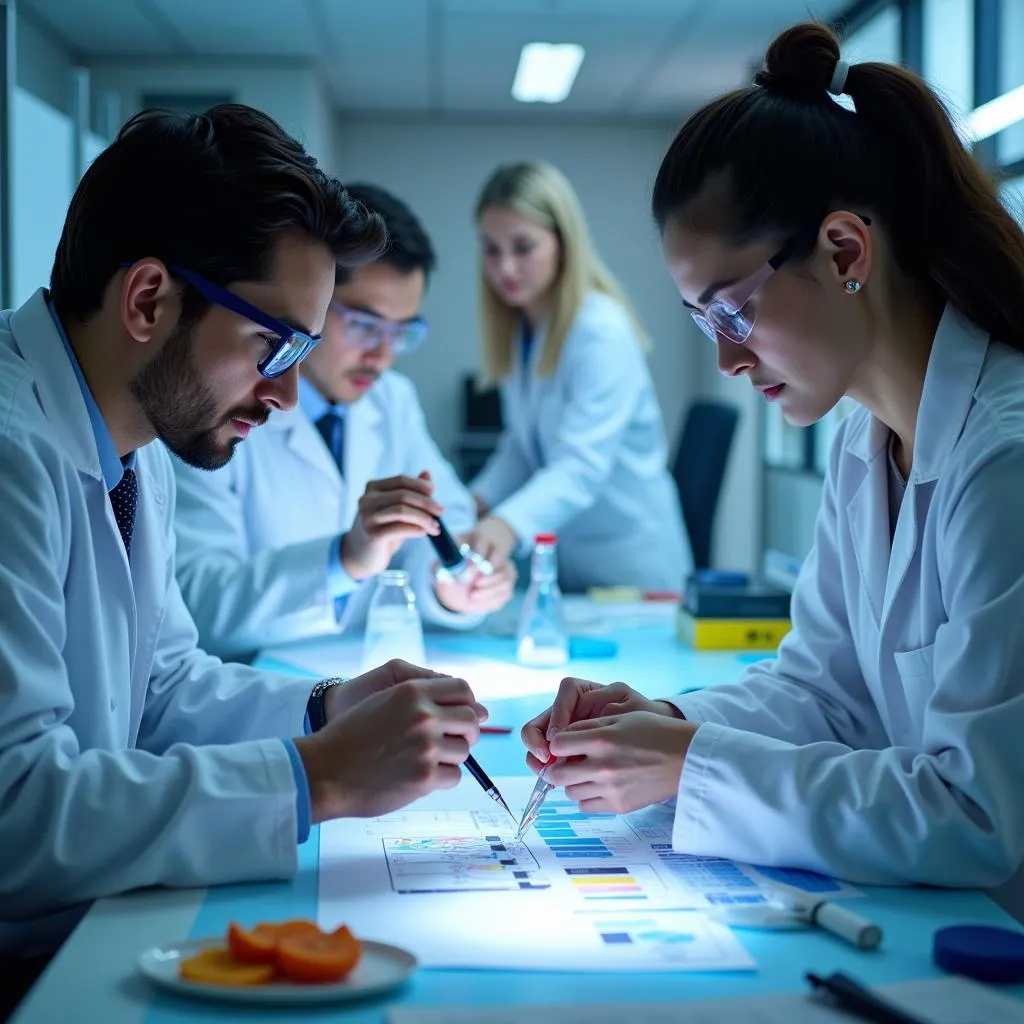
{"points": [[488, 787], [843, 992]]}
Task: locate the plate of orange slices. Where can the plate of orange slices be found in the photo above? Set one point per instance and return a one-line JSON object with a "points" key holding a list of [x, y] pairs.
{"points": [[279, 963]]}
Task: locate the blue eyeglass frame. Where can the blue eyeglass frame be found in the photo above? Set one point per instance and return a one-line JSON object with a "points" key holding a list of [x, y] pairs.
{"points": [[292, 345]]}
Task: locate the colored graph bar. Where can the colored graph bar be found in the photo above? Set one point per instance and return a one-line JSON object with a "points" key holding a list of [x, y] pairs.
{"points": [[581, 817]]}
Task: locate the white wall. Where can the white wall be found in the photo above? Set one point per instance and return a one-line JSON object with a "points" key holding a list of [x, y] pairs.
{"points": [[42, 181], [438, 169], [290, 92], [43, 65]]}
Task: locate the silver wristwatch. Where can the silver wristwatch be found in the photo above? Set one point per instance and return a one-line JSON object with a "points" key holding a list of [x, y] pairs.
{"points": [[315, 704]]}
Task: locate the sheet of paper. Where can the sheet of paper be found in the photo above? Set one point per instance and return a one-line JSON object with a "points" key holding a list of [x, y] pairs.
{"points": [[490, 678], [948, 1000], [426, 877]]}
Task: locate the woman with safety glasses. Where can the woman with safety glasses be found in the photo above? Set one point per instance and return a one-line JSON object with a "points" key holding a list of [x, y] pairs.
{"points": [[275, 546], [830, 250], [583, 453]]}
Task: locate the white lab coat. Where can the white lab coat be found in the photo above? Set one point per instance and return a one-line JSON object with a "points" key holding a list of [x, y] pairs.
{"points": [[254, 537], [111, 776], [886, 742], [584, 455]]}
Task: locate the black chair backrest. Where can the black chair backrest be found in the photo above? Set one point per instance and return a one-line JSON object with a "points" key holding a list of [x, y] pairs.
{"points": [[698, 470], [481, 408]]}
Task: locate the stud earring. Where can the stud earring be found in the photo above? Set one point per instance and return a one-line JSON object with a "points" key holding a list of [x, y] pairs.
{"points": [[852, 286]]}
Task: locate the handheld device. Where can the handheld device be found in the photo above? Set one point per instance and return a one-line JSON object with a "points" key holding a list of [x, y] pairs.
{"points": [[456, 559]]}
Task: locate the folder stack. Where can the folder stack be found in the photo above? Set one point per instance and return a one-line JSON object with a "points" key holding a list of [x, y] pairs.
{"points": [[732, 614]]}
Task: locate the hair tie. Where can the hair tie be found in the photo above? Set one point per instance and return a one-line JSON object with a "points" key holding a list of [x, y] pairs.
{"points": [[838, 83]]}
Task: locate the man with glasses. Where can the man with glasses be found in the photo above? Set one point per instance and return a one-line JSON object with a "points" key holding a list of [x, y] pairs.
{"points": [[276, 546], [194, 271]]}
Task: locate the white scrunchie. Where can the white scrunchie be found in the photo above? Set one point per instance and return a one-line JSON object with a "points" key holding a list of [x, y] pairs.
{"points": [[838, 83]]}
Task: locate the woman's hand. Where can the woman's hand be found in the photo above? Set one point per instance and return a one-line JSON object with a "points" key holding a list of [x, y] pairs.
{"points": [[494, 539], [579, 700], [620, 764]]}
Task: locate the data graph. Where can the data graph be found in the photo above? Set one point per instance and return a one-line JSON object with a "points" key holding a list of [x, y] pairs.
{"points": [[593, 851], [422, 864]]}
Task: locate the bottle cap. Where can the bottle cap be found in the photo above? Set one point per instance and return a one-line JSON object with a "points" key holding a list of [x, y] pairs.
{"points": [[545, 538], [983, 952]]}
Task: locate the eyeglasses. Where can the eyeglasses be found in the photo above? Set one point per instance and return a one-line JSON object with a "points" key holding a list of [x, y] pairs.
{"points": [[724, 316], [289, 347], [368, 331]]}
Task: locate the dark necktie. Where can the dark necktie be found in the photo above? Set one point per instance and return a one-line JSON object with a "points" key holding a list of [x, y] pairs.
{"points": [[125, 500], [332, 430]]}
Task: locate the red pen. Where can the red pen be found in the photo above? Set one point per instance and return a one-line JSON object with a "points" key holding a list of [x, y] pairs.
{"points": [[494, 730]]}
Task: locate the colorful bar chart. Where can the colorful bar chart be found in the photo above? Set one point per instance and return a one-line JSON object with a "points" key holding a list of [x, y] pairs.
{"points": [[593, 850], [571, 834], [719, 881]]}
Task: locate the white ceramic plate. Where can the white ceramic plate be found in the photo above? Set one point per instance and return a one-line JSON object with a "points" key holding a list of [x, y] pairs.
{"points": [[381, 968]]}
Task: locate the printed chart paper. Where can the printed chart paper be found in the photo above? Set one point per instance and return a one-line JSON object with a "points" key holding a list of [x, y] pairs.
{"points": [[446, 878]]}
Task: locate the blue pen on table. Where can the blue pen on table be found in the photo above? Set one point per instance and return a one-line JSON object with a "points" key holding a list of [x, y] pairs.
{"points": [[847, 994]]}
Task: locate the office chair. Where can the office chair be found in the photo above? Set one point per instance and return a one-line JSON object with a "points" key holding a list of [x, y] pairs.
{"points": [[480, 428], [698, 470]]}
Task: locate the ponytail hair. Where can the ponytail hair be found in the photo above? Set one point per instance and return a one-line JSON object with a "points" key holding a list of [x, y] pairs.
{"points": [[790, 154]]}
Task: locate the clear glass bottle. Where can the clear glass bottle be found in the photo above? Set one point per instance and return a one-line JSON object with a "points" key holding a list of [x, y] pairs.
{"points": [[542, 637], [393, 627]]}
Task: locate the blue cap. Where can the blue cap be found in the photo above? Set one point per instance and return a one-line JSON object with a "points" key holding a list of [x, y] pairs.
{"points": [[982, 952]]}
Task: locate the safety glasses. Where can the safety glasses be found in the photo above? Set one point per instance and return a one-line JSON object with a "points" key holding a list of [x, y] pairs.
{"points": [[289, 345], [727, 315], [368, 331]]}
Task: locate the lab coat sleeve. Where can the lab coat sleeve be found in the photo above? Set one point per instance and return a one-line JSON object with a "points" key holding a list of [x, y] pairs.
{"points": [[506, 470], [604, 373], [235, 594], [80, 824], [417, 557], [814, 690], [947, 814], [196, 698]]}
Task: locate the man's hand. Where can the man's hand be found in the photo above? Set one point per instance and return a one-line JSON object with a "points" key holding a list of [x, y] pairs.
{"points": [[340, 699], [578, 700], [473, 593], [492, 538], [390, 512], [622, 763], [390, 748]]}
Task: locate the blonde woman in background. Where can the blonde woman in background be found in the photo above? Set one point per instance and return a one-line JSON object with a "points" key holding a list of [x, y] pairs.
{"points": [[583, 453]]}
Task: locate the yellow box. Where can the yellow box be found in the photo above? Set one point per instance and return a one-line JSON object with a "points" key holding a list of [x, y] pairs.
{"points": [[731, 634]]}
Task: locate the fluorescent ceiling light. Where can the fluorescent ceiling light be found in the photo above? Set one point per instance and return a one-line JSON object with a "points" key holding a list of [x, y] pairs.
{"points": [[546, 72], [997, 114]]}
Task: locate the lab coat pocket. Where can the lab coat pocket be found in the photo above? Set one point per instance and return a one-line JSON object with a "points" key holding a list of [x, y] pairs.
{"points": [[917, 674]]}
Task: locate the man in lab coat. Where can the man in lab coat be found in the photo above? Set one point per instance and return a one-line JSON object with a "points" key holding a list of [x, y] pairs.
{"points": [[195, 268], [283, 542]]}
